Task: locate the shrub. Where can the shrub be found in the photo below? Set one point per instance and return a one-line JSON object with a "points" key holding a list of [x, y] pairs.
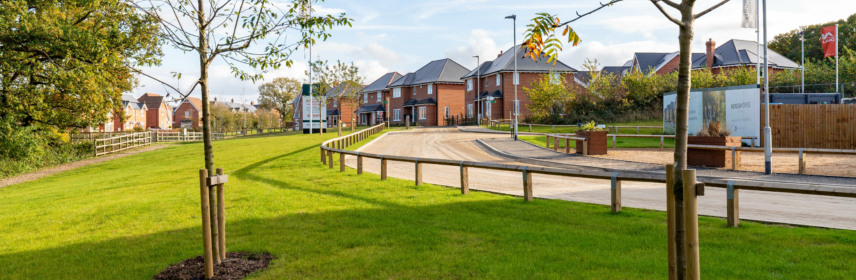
{"points": [[27, 148]]}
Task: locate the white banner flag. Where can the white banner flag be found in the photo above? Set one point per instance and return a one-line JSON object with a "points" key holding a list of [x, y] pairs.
{"points": [[750, 14]]}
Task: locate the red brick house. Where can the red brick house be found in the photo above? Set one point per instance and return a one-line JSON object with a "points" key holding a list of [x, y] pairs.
{"points": [[341, 104], [188, 114], [430, 95], [372, 110], [159, 114], [495, 81]]}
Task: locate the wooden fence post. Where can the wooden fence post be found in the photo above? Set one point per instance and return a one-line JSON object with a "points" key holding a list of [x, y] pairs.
{"points": [[359, 164], [554, 129], [221, 216], [733, 158], [548, 141], [418, 173], [383, 165], [323, 156], [733, 217], [585, 147], [567, 145], [527, 185], [691, 223], [330, 159], [341, 162], [661, 141], [530, 127], [616, 193], [802, 162], [465, 184], [206, 224], [613, 141], [556, 143], [637, 130], [670, 221]]}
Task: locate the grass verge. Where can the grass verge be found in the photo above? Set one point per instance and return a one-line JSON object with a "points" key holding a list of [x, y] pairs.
{"points": [[131, 217]]}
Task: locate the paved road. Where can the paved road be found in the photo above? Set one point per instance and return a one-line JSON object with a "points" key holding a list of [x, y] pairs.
{"points": [[450, 143]]}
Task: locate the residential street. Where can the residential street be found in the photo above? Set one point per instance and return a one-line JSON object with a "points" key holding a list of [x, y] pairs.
{"points": [[450, 143]]}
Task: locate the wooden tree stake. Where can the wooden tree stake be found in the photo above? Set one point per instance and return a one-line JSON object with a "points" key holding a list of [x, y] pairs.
{"points": [[691, 223], [221, 216], [206, 224], [670, 221]]}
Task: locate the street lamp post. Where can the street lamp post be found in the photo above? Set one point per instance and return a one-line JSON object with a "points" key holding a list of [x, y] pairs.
{"points": [[516, 105], [768, 135], [478, 90]]}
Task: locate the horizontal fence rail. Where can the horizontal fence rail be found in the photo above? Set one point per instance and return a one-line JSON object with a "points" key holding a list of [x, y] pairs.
{"points": [[168, 136], [76, 137], [801, 151], [114, 144], [338, 145], [567, 139]]}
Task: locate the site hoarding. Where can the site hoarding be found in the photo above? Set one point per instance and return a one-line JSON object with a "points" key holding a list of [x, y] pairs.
{"points": [[737, 108], [313, 112]]}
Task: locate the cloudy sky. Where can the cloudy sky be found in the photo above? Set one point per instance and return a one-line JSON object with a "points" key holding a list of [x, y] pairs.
{"points": [[405, 35]]}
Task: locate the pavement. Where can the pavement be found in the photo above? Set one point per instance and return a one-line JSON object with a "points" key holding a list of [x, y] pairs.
{"points": [[456, 144]]}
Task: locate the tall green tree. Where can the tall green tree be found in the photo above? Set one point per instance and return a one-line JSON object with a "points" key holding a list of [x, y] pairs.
{"points": [[65, 63], [278, 94], [541, 38]]}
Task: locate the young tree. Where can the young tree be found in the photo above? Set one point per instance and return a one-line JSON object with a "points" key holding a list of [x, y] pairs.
{"points": [[230, 30], [278, 94], [540, 38], [332, 81], [63, 62]]}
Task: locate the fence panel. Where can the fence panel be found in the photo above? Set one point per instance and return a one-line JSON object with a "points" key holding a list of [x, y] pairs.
{"points": [[821, 126]]}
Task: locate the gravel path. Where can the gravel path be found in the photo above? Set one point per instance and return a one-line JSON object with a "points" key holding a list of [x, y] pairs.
{"points": [[451, 143], [72, 165], [654, 160]]}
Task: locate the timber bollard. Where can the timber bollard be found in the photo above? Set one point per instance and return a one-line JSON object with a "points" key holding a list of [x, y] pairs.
{"points": [[802, 166], [359, 165], [330, 159], [616, 193], [418, 173], [527, 185], [383, 165], [670, 221], [585, 147], [733, 218], [465, 184], [691, 223], [567, 145], [341, 162], [206, 224]]}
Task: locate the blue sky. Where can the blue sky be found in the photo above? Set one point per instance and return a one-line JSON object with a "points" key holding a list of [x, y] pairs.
{"points": [[405, 35]]}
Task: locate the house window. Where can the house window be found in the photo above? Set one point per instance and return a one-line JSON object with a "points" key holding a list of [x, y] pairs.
{"points": [[396, 114], [447, 112], [429, 89], [378, 96], [516, 78], [469, 84], [555, 78], [421, 113], [186, 114], [414, 90], [396, 92], [469, 110], [497, 79], [366, 98]]}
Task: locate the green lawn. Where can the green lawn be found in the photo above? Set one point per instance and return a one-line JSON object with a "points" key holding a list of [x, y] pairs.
{"points": [[620, 142], [131, 217], [547, 129]]}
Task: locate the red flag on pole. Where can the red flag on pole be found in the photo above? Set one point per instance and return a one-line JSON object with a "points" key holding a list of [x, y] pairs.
{"points": [[829, 41]]}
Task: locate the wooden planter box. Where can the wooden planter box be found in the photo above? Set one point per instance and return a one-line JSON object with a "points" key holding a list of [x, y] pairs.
{"points": [[712, 158], [596, 142]]}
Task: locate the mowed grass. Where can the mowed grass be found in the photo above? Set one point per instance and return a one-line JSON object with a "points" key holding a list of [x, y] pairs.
{"points": [[131, 217], [620, 142], [572, 129]]}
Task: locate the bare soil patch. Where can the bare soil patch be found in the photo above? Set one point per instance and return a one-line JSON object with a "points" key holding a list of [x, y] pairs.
{"points": [[72, 165], [236, 266], [816, 164]]}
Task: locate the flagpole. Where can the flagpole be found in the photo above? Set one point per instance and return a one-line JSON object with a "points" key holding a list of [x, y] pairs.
{"points": [[836, 58], [758, 40]]}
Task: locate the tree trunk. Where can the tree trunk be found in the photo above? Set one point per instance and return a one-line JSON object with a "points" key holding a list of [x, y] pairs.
{"points": [[681, 124], [206, 128]]}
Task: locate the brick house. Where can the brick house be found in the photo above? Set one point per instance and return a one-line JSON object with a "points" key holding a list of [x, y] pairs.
{"points": [[431, 94], [135, 115], [739, 53], [371, 109], [159, 114], [657, 63], [341, 104], [188, 114], [495, 81]]}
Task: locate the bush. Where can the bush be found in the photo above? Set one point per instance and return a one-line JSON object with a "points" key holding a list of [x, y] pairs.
{"points": [[27, 148]]}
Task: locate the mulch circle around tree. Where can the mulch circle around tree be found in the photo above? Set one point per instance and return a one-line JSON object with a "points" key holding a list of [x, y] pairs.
{"points": [[236, 266]]}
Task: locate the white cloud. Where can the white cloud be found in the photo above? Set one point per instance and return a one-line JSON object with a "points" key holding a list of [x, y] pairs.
{"points": [[371, 69], [637, 24], [612, 54], [479, 43]]}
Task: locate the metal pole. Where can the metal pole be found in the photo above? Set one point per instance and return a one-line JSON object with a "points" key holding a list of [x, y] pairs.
{"points": [[515, 106], [836, 58], [802, 82], [768, 135], [758, 34], [310, 76], [478, 89]]}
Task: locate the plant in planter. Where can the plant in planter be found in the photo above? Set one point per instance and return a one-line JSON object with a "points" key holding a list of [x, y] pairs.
{"points": [[595, 136], [712, 135]]}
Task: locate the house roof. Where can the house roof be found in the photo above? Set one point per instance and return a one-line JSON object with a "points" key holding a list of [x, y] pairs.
{"points": [[427, 101], [478, 71], [742, 52], [195, 101], [618, 71], [410, 102], [439, 71], [505, 63], [382, 82], [402, 81], [372, 108], [583, 77], [129, 98], [151, 100], [332, 112]]}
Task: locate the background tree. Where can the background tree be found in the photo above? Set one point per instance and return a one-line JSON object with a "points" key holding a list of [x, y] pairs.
{"points": [[63, 62], [788, 44], [278, 95], [549, 96], [332, 81], [540, 38]]}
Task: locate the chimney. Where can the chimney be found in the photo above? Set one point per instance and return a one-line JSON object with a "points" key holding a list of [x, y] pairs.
{"points": [[710, 51], [233, 100], [251, 103], [500, 54]]}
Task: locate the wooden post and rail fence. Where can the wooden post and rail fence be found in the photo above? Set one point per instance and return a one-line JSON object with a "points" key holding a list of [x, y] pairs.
{"points": [[693, 187], [614, 128], [104, 146]]}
